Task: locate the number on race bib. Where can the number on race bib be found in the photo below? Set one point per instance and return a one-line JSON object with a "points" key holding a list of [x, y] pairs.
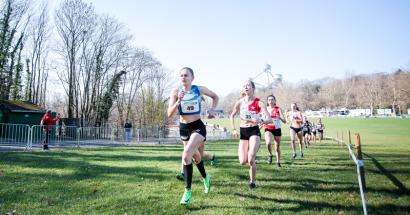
{"points": [[189, 106]]}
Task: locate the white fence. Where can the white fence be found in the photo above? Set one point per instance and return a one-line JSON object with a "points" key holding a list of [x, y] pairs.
{"points": [[72, 136]]}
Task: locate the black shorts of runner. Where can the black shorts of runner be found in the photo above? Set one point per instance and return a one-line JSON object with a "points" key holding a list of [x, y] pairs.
{"points": [[274, 132], [305, 132], [297, 130], [314, 133], [246, 133], [186, 129], [320, 131]]}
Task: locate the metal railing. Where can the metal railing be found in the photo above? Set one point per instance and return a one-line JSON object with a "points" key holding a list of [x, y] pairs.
{"points": [[54, 135], [15, 134], [72, 136], [99, 135]]}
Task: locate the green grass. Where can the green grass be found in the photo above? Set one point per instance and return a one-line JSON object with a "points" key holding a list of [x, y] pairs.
{"points": [[141, 179]]}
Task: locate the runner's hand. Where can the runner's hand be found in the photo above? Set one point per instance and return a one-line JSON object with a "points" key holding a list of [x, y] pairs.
{"points": [[181, 95], [235, 134]]}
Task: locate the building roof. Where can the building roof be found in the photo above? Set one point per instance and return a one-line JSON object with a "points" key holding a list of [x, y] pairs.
{"points": [[18, 106]]}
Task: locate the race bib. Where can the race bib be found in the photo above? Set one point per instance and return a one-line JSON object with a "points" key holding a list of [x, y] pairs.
{"points": [[276, 122], [190, 106], [248, 115]]}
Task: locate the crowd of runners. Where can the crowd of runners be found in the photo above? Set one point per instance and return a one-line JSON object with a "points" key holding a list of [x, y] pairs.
{"points": [[254, 114]]}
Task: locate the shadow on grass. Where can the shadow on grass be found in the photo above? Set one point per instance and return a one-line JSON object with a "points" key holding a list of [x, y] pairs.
{"points": [[84, 169], [78, 182], [311, 185], [307, 181], [302, 205], [92, 155], [141, 148], [402, 189], [298, 206]]}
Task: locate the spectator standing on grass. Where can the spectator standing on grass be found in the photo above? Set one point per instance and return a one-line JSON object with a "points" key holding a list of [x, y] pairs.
{"points": [[320, 127], [60, 131], [127, 130], [46, 122], [225, 132]]}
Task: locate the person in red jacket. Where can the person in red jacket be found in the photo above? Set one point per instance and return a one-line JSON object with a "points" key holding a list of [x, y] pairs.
{"points": [[47, 121]]}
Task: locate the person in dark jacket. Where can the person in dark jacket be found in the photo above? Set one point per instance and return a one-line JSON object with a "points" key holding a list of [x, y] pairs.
{"points": [[46, 122], [127, 131]]}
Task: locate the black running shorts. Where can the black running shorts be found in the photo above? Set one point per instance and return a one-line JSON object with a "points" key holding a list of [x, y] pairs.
{"points": [[186, 129], [297, 130], [246, 133]]}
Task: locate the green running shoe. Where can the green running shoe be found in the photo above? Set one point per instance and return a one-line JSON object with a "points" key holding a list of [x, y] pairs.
{"points": [[213, 161], [207, 183], [186, 198], [180, 176]]}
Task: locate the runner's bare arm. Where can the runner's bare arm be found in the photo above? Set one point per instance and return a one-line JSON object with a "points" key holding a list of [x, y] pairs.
{"points": [[234, 112], [300, 119], [211, 94], [265, 113], [174, 101], [281, 116]]}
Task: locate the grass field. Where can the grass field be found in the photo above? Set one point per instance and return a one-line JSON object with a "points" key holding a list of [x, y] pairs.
{"points": [[141, 179]]}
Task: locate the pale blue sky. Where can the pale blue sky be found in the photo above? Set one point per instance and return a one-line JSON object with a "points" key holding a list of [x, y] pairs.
{"points": [[226, 42]]}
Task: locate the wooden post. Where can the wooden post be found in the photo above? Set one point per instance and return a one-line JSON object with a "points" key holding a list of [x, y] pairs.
{"points": [[359, 158], [342, 139], [337, 136], [350, 140]]}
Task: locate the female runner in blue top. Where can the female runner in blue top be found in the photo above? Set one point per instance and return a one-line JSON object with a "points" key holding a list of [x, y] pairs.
{"points": [[186, 99]]}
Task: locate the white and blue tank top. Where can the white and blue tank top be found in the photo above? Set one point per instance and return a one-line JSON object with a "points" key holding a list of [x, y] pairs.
{"points": [[191, 102]]}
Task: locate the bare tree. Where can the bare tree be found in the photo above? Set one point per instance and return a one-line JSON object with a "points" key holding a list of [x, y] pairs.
{"points": [[228, 101], [38, 50], [368, 91], [109, 49], [348, 86], [73, 18], [400, 88], [140, 64]]}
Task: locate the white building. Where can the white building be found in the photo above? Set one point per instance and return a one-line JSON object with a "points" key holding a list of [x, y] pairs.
{"points": [[384, 112], [359, 112]]}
